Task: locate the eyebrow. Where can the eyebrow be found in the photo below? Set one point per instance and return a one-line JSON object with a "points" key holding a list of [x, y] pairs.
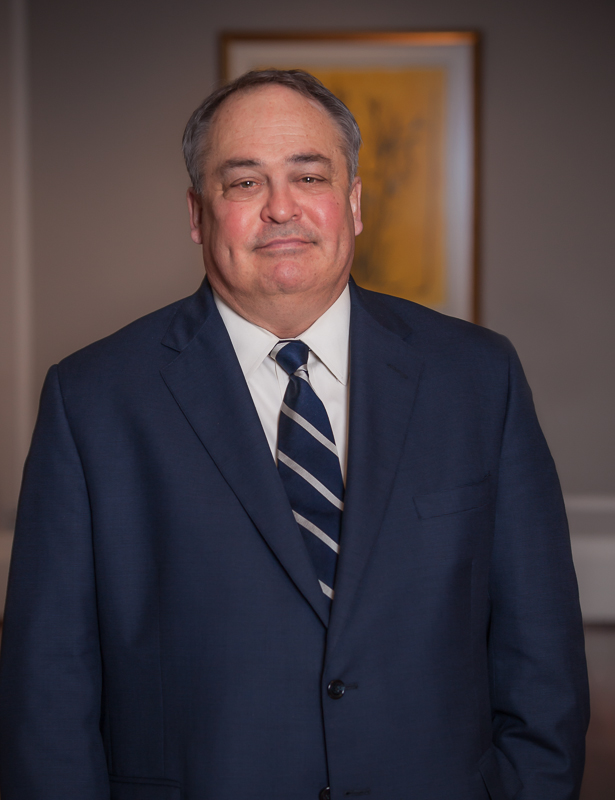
{"points": [[309, 158], [235, 163], [297, 158]]}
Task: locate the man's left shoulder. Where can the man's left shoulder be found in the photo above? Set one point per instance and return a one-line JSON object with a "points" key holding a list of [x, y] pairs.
{"points": [[431, 332]]}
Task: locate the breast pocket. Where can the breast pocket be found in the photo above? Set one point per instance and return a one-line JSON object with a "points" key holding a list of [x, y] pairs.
{"points": [[143, 789], [452, 501]]}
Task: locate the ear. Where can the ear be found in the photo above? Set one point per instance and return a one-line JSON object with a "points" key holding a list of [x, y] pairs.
{"points": [[195, 209], [355, 205]]}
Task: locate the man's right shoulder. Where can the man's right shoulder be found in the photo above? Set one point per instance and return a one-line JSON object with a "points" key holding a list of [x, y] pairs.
{"points": [[140, 348], [136, 335]]}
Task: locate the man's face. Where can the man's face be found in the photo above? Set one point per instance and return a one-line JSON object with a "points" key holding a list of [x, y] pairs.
{"points": [[277, 216]]}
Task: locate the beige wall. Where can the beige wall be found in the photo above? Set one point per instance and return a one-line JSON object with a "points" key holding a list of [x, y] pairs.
{"points": [[111, 85], [9, 456]]}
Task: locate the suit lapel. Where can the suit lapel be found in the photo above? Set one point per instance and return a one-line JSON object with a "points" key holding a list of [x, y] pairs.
{"points": [[384, 375], [207, 383]]}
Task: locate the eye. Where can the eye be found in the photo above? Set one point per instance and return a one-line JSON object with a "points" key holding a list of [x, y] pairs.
{"points": [[310, 179], [246, 184]]}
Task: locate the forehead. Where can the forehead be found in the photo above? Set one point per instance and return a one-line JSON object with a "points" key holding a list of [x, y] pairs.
{"points": [[272, 118]]}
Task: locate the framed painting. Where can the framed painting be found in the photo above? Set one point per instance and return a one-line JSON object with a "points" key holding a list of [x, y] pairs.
{"points": [[414, 96]]}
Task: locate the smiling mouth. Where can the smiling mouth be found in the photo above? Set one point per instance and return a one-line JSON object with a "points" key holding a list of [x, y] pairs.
{"points": [[281, 244]]}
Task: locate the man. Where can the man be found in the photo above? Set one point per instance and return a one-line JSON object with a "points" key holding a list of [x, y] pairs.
{"points": [[385, 608]]}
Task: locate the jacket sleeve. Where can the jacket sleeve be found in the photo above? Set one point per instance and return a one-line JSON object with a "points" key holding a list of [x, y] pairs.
{"points": [[50, 672], [536, 648]]}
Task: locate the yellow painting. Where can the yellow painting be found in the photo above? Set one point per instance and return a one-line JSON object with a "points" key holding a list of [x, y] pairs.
{"points": [[413, 94], [401, 114]]}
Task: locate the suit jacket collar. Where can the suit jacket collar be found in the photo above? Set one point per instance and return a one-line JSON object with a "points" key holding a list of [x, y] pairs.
{"points": [[208, 384], [384, 376]]}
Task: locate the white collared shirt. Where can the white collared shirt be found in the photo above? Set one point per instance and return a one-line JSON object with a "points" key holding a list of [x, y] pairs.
{"points": [[328, 366]]}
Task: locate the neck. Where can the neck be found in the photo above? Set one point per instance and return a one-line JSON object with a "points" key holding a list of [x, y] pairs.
{"points": [[286, 316]]}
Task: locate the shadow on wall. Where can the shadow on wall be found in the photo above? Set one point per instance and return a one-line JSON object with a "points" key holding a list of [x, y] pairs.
{"points": [[6, 542], [599, 780]]}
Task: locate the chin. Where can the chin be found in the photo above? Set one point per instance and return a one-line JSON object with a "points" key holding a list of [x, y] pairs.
{"points": [[292, 278]]}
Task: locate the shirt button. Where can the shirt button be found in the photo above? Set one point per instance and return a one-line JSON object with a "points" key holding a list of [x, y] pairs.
{"points": [[324, 794], [336, 689]]}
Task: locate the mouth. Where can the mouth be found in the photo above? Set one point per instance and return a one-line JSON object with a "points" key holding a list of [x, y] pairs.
{"points": [[284, 243]]}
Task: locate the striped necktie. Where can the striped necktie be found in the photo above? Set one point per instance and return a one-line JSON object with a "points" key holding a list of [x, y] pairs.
{"points": [[309, 464]]}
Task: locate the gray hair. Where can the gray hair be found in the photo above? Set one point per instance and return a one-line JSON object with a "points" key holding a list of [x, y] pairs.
{"points": [[194, 142]]}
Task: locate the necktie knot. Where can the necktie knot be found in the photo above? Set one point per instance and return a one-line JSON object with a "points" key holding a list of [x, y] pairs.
{"points": [[291, 355]]}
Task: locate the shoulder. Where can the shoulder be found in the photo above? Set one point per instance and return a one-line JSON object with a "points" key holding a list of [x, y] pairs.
{"points": [[128, 360], [433, 333], [128, 343]]}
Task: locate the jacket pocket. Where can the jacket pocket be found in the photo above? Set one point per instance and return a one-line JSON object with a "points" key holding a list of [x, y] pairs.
{"points": [[452, 501], [499, 775], [143, 789]]}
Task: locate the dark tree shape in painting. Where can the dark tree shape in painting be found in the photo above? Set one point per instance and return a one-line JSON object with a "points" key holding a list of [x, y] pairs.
{"points": [[394, 146]]}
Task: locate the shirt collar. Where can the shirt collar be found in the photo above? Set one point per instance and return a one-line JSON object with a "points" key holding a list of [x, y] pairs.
{"points": [[327, 338]]}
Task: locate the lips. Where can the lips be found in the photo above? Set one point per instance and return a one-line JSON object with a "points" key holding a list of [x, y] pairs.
{"points": [[290, 236], [291, 242]]}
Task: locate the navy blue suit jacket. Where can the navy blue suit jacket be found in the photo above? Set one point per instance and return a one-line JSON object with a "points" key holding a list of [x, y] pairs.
{"points": [[166, 637]]}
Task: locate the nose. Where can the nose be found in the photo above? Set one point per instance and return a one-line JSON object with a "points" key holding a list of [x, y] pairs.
{"points": [[280, 205]]}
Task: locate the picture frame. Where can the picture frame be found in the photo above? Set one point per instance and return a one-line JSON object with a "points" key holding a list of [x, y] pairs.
{"points": [[415, 97]]}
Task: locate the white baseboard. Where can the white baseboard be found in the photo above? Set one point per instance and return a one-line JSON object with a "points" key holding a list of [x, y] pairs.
{"points": [[592, 528], [594, 561], [592, 531]]}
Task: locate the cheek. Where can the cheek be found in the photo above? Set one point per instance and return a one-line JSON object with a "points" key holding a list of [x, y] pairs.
{"points": [[331, 217], [232, 226]]}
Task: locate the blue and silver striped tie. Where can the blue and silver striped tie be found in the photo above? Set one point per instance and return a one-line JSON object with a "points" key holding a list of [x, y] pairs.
{"points": [[309, 464]]}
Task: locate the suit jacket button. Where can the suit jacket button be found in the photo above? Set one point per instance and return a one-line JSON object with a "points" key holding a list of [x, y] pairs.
{"points": [[324, 794], [336, 689]]}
